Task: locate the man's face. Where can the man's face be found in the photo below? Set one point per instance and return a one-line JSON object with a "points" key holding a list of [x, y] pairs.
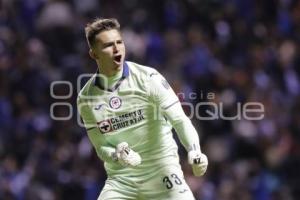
{"points": [[109, 51]]}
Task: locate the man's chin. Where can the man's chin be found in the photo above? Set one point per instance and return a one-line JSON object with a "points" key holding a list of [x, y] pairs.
{"points": [[118, 66]]}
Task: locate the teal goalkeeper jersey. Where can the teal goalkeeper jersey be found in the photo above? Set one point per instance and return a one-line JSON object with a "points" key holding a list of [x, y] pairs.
{"points": [[136, 111]]}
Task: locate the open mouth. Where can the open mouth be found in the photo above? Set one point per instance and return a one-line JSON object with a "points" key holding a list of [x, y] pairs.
{"points": [[118, 58]]}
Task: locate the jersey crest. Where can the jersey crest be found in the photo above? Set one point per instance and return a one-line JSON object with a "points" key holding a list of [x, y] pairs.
{"points": [[115, 102]]}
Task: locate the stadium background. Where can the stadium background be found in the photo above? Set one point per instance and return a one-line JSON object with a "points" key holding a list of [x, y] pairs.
{"points": [[241, 50]]}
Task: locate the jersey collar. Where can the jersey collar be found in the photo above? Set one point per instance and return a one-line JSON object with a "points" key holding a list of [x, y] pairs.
{"points": [[125, 74]]}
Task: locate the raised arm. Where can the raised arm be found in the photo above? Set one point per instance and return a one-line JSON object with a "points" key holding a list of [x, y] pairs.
{"points": [[106, 152], [164, 97]]}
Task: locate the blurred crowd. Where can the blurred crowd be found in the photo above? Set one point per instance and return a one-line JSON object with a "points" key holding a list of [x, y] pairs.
{"points": [[239, 50]]}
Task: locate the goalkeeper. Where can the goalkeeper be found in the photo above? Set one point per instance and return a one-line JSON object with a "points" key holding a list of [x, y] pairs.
{"points": [[129, 111]]}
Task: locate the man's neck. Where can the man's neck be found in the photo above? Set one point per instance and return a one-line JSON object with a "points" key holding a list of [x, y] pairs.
{"points": [[108, 81], [107, 73]]}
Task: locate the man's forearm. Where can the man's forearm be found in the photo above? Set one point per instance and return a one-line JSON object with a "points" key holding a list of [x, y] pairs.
{"points": [[183, 126], [107, 154]]}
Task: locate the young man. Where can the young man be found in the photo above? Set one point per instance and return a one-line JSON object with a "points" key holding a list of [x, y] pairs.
{"points": [[129, 111]]}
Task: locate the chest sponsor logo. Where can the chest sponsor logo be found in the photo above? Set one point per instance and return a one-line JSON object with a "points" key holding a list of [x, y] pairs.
{"points": [[121, 121], [115, 102]]}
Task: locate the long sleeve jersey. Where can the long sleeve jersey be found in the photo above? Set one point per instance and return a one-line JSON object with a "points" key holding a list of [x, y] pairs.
{"points": [[140, 109]]}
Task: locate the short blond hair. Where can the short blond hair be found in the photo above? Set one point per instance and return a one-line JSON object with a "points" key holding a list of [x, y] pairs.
{"points": [[99, 25]]}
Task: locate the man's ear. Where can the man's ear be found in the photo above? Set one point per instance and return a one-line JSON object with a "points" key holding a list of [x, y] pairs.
{"points": [[92, 54]]}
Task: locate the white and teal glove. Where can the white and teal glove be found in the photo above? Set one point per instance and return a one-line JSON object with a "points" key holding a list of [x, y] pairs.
{"points": [[126, 156], [198, 161]]}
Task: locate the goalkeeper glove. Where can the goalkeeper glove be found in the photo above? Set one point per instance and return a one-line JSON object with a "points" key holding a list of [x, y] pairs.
{"points": [[198, 161], [126, 156]]}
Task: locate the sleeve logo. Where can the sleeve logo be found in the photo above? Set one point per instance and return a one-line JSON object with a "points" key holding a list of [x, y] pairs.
{"points": [[165, 84]]}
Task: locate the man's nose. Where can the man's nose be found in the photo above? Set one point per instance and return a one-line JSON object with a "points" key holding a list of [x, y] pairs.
{"points": [[115, 48]]}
